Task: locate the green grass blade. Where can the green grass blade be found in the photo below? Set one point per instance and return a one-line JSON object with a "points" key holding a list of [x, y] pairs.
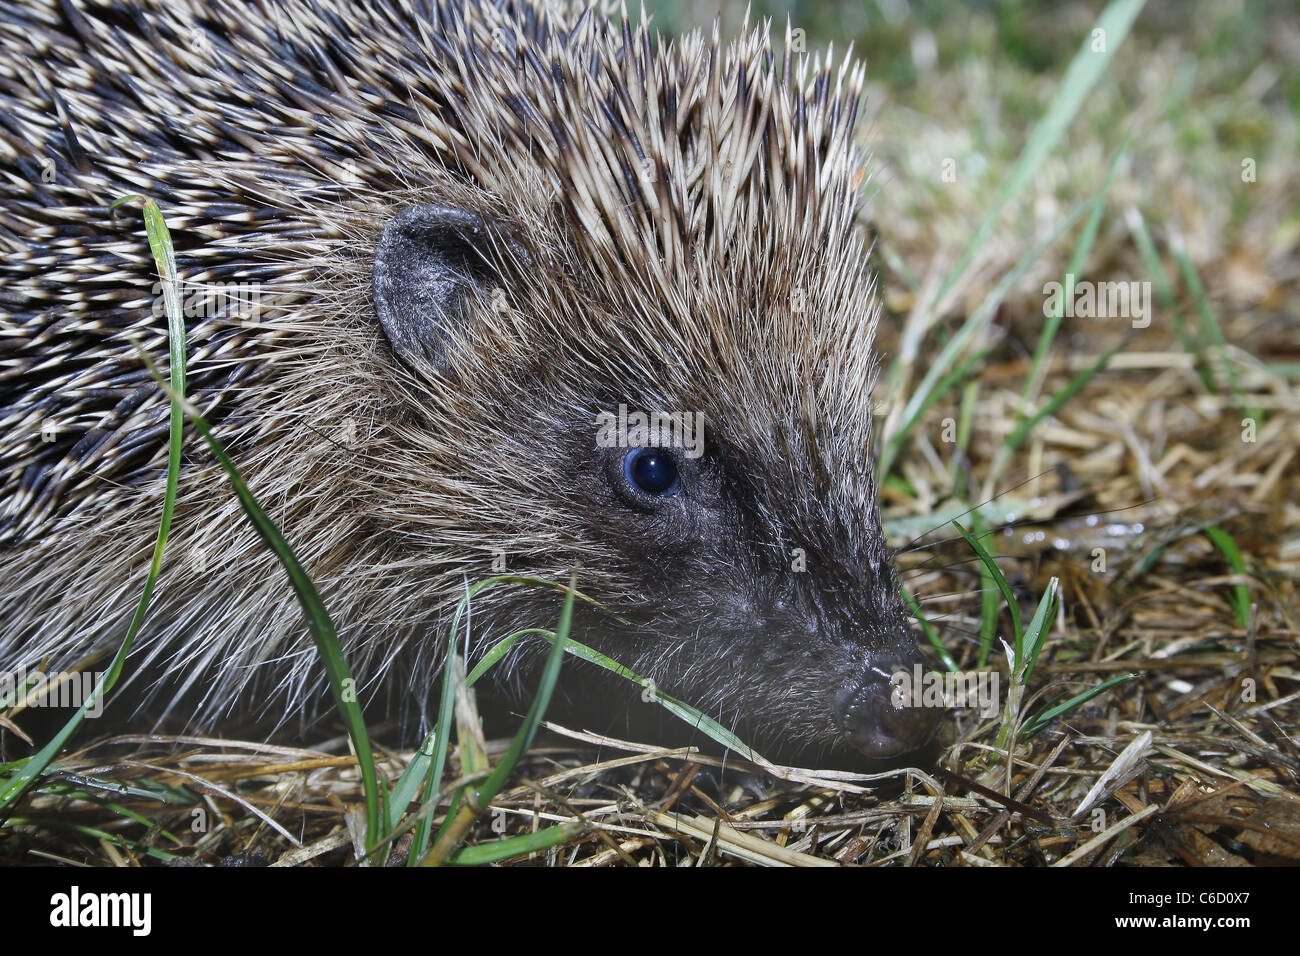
{"points": [[1074, 267], [409, 783], [550, 675], [1053, 405], [958, 470], [1211, 333], [496, 851], [1025, 653], [160, 246], [97, 788], [1038, 723], [929, 631], [1152, 555], [90, 796], [1036, 632], [989, 605], [500, 649], [1240, 593], [941, 370], [438, 763], [1087, 67], [472, 801], [1146, 248], [92, 833], [999, 581], [319, 625], [680, 709], [927, 394]]}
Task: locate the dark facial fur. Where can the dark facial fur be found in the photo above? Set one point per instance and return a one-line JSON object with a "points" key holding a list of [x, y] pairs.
{"points": [[608, 222]]}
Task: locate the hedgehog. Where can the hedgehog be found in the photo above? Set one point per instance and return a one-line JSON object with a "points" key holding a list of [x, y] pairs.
{"points": [[431, 255]]}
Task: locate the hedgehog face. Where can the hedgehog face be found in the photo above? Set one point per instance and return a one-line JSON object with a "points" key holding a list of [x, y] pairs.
{"points": [[742, 543], [754, 611]]}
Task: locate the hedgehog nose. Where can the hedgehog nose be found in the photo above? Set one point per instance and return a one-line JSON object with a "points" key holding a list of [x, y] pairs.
{"points": [[879, 714]]}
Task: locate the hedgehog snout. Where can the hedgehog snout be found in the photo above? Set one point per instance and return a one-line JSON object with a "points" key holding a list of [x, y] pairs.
{"points": [[880, 715]]}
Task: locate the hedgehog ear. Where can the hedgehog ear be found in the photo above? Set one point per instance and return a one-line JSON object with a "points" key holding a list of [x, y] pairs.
{"points": [[430, 263]]}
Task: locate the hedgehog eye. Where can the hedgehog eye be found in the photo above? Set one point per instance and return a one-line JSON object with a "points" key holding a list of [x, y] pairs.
{"points": [[652, 470]]}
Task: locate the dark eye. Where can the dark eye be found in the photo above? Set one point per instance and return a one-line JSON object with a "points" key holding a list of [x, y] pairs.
{"points": [[652, 470]]}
